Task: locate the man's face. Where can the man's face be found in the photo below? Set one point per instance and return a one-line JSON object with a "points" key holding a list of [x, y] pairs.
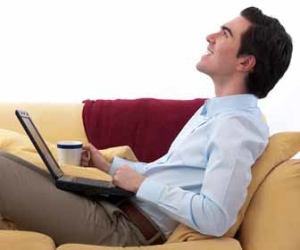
{"points": [[221, 61]]}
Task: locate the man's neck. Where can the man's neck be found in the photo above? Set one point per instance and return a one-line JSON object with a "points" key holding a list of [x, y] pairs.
{"points": [[230, 87]]}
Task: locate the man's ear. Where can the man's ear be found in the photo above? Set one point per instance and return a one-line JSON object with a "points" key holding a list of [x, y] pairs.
{"points": [[246, 63]]}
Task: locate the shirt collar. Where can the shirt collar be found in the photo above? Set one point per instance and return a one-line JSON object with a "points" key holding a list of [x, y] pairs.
{"points": [[225, 103]]}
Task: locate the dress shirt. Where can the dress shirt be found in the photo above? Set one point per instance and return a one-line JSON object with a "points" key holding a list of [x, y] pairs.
{"points": [[202, 181]]}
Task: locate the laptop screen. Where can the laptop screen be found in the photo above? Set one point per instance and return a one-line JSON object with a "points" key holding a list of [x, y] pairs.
{"points": [[39, 143]]}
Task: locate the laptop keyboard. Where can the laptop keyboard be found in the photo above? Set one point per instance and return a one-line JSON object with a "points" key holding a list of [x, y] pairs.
{"points": [[91, 187], [98, 183]]}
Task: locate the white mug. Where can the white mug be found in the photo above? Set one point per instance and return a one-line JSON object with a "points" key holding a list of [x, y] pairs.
{"points": [[69, 152]]}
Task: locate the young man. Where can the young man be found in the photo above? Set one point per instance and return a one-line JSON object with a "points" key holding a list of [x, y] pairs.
{"points": [[202, 181]]}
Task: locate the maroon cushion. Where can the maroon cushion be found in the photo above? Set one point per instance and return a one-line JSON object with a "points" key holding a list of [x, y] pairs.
{"points": [[147, 125]]}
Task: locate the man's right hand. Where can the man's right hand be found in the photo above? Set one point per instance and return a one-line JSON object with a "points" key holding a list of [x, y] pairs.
{"points": [[91, 157]]}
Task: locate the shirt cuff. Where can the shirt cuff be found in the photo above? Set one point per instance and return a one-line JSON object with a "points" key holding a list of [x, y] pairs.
{"points": [[150, 190], [116, 163]]}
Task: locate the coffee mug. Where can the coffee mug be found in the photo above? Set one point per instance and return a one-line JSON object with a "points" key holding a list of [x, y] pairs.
{"points": [[69, 152]]}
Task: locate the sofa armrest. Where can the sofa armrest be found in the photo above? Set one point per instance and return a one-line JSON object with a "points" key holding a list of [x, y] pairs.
{"points": [[210, 244], [59, 121]]}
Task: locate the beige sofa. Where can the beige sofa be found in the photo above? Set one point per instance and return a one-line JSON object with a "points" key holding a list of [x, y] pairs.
{"points": [[269, 218]]}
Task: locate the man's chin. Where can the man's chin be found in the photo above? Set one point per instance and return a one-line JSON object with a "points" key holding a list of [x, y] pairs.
{"points": [[200, 67]]}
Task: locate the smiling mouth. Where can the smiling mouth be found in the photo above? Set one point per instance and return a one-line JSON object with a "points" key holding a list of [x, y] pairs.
{"points": [[209, 52]]}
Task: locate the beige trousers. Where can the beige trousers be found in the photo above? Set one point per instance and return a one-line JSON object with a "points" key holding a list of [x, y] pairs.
{"points": [[29, 198]]}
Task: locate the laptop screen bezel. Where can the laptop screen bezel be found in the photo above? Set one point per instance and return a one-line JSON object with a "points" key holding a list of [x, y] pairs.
{"points": [[39, 143]]}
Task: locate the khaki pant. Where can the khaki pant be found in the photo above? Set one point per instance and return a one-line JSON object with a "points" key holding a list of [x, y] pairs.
{"points": [[29, 198]]}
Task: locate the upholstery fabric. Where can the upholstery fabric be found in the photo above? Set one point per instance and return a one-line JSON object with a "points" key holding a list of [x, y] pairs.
{"points": [[147, 125], [213, 244], [21, 146], [55, 121], [20, 240], [275, 208]]}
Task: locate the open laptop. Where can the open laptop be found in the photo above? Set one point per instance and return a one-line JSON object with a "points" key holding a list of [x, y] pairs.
{"points": [[84, 186]]}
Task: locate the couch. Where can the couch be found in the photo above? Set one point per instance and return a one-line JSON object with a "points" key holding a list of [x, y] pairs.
{"points": [[143, 129]]}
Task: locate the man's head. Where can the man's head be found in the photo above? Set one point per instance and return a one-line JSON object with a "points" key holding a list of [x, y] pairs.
{"points": [[253, 47], [272, 47]]}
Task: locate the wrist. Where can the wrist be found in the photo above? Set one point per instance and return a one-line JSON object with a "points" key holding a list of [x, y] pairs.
{"points": [[107, 167], [139, 183]]}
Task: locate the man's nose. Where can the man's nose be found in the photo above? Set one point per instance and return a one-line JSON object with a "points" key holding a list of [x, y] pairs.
{"points": [[211, 38]]}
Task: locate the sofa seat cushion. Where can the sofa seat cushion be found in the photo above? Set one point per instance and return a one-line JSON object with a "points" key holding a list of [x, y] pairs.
{"points": [[20, 240], [212, 244]]}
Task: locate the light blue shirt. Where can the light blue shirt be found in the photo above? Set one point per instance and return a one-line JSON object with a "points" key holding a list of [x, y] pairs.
{"points": [[202, 181]]}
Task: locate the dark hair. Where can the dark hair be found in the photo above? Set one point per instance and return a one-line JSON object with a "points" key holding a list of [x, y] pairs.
{"points": [[267, 40]]}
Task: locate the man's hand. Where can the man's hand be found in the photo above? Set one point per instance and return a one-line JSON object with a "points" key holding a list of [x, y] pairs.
{"points": [[126, 178], [91, 157]]}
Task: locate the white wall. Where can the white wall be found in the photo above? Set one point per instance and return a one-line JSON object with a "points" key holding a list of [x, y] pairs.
{"points": [[68, 51]]}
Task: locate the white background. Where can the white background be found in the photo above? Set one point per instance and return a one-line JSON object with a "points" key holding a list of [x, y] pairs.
{"points": [[69, 51]]}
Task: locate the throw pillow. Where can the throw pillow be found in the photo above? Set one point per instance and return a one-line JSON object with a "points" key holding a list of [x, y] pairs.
{"points": [[20, 145]]}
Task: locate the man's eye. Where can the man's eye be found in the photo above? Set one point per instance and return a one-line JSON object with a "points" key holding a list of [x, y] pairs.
{"points": [[224, 33]]}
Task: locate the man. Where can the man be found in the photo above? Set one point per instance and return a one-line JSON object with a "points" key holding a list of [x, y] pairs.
{"points": [[202, 181]]}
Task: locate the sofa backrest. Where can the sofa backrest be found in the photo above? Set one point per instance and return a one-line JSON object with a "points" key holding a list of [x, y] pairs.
{"points": [[147, 125], [272, 219]]}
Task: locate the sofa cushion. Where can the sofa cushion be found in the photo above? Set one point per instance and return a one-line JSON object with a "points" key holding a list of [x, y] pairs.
{"points": [[147, 125], [20, 240], [53, 120], [274, 211], [21, 146], [212, 244]]}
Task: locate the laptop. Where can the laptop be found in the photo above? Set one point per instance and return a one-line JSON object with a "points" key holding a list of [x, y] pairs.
{"points": [[83, 186]]}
